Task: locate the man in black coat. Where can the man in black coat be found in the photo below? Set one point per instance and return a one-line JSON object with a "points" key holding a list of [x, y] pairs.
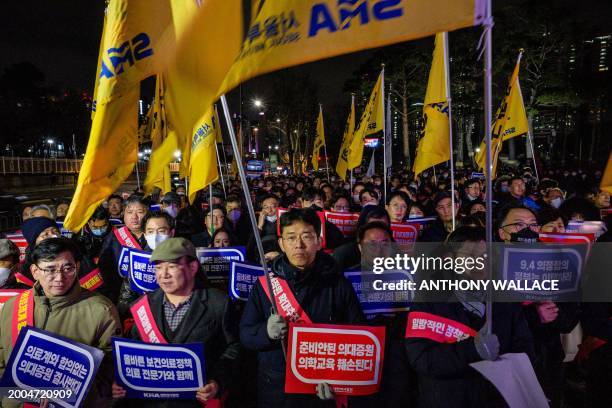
{"points": [[186, 311], [323, 293]]}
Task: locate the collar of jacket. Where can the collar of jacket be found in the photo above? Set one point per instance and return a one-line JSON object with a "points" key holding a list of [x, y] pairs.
{"points": [[58, 302], [323, 267]]}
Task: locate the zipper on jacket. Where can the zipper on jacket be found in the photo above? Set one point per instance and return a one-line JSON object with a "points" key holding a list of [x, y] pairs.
{"points": [[47, 313]]}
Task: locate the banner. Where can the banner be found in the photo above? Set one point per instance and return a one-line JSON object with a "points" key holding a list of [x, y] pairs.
{"points": [[63, 231], [434, 145], [242, 279], [346, 222], [52, 366], [141, 272], [216, 261], [606, 180], [348, 358], [19, 240], [405, 234], [372, 121], [376, 298], [293, 32], [420, 223], [535, 267], [159, 371], [349, 131], [510, 121], [319, 141]]}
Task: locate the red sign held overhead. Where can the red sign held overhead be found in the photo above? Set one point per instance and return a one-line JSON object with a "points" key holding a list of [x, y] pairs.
{"points": [[19, 240], [348, 358], [570, 238], [346, 222], [405, 233]]}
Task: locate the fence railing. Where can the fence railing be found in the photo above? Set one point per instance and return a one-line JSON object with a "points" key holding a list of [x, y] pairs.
{"points": [[52, 165]]}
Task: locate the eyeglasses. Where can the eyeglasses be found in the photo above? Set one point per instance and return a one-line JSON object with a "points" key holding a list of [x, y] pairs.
{"points": [[307, 238], [522, 225], [66, 271]]}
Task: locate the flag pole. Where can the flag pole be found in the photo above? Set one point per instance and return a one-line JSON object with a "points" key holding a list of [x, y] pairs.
{"points": [[384, 126], [217, 151], [488, 56], [324, 147], [450, 122], [249, 203]]}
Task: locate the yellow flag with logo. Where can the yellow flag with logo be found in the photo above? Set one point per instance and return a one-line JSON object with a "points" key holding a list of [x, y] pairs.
{"points": [[606, 180], [292, 32], [510, 120], [434, 146], [372, 121], [134, 45], [319, 141], [163, 143], [203, 162], [345, 149]]}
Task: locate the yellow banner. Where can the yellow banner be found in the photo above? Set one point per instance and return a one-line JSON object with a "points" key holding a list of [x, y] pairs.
{"points": [[203, 163], [134, 45], [510, 121], [345, 149], [292, 32], [372, 121], [606, 181], [158, 174], [434, 146], [319, 141]]}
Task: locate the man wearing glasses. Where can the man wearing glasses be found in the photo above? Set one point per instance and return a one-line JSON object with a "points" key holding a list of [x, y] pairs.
{"points": [[62, 307], [311, 279]]}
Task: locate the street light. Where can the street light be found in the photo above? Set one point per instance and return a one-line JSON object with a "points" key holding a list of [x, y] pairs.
{"points": [[276, 147], [255, 129], [261, 113], [258, 103], [177, 154], [478, 150], [50, 142], [277, 120]]}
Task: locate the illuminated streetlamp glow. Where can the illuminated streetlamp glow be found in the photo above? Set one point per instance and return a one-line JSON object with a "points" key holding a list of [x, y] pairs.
{"points": [[258, 103]]}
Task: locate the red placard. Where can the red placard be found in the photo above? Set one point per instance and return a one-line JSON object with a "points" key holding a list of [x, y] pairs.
{"points": [[6, 294], [346, 222], [348, 358], [281, 211], [19, 240], [405, 234], [604, 212], [569, 238]]}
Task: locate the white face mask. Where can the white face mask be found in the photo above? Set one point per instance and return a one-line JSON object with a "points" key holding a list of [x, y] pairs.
{"points": [[271, 218], [171, 211], [4, 275], [153, 240], [556, 202]]}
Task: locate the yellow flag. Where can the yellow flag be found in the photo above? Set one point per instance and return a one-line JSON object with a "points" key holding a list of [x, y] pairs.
{"points": [[372, 121], [134, 46], [434, 146], [163, 143], [510, 120], [349, 132], [319, 141], [606, 181], [292, 32], [203, 162]]}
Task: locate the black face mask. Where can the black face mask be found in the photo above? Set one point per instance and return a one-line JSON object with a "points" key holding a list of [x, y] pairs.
{"points": [[526, 235]]}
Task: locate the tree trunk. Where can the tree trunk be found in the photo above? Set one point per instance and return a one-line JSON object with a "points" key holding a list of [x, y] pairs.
{"points": [[468, 137], [405, 134], [459, 147]]}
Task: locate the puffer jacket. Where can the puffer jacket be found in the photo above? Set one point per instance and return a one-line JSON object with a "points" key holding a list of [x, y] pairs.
{"points": [[325, 295], [79, 315]]}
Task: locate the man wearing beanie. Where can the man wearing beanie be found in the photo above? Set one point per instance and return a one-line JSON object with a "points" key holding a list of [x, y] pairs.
{"points": [[184, 310], [38, 229]]}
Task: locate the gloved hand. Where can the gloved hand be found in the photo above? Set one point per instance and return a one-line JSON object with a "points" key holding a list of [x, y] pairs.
{"points": [[487, 345], [324, 391], [277, 327]]}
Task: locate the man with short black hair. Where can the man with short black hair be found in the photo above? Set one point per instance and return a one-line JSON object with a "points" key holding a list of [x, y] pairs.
{"points": [[439, 230], [62, 307], [320, 292]]}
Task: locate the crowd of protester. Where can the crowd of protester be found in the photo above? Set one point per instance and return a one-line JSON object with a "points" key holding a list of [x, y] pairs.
{"points": [[243, 353]]}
